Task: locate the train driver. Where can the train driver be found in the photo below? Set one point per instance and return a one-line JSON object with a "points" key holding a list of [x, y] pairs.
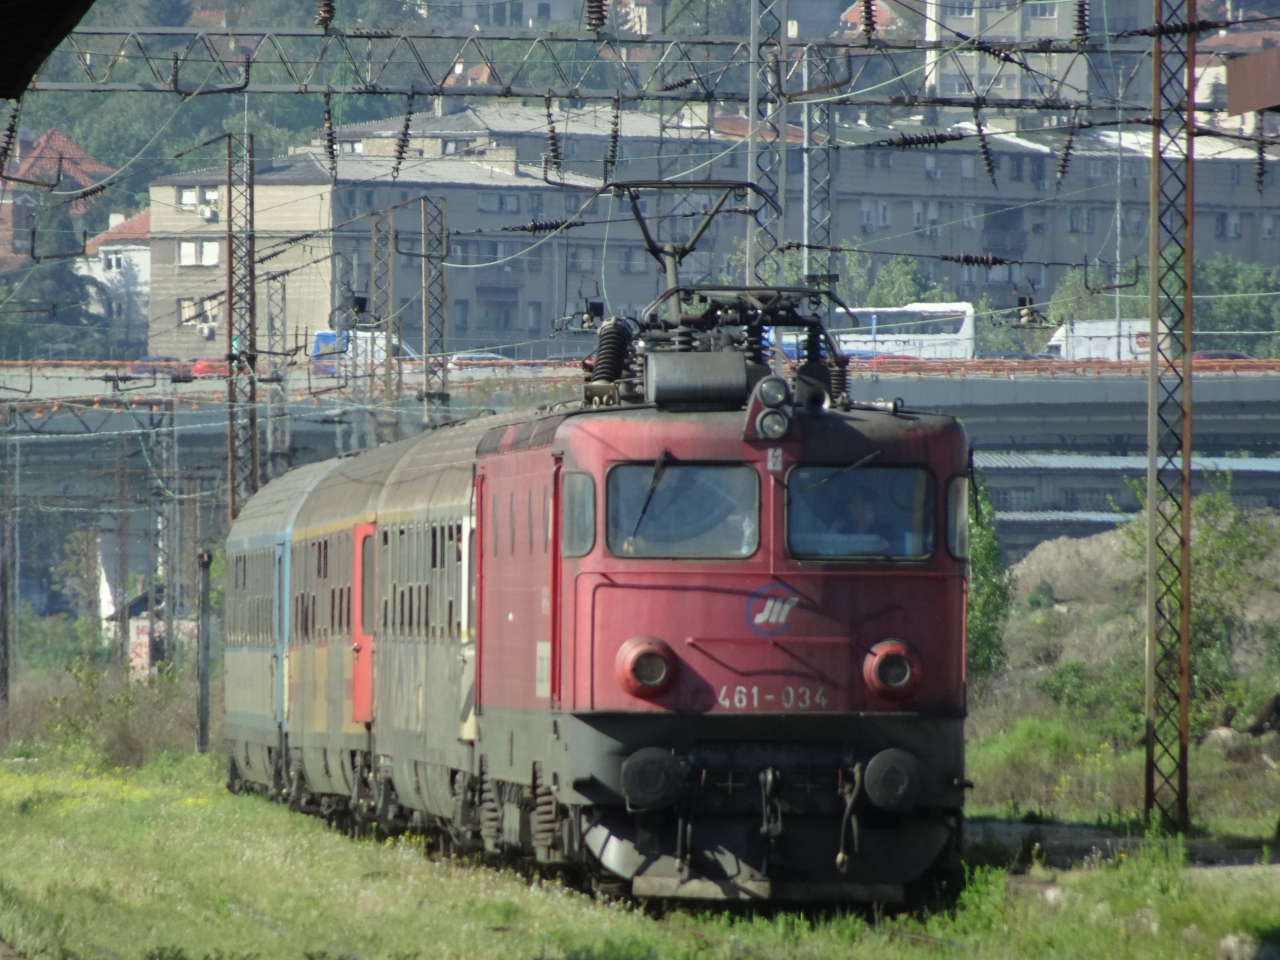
{"points": [[860, 523]]}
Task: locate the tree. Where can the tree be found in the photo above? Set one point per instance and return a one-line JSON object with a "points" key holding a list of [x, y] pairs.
{"points": [[990, 587], [900, 282], [1073, 300]]}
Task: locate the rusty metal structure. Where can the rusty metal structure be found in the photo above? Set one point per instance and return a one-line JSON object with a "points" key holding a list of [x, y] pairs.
{"points": [[276, 380], [243, 472], [1168, 646]]}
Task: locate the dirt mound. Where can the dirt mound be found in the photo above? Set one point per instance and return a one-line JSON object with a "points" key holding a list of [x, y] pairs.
{"points": [[1083, 599]]}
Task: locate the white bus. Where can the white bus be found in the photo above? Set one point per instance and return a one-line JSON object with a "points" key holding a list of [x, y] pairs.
{"points": [[930, 331]]}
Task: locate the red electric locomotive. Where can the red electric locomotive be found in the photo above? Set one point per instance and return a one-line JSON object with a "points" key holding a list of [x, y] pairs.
{"points": [[700, 635]]}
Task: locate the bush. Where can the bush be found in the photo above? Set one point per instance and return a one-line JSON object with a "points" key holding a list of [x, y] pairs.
{"points": [[990, 588], [111, 720]]}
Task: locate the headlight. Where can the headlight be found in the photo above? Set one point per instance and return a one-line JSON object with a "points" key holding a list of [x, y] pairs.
{"points": [[891, 670], [772, 424], [645, 667], [773, 391]]}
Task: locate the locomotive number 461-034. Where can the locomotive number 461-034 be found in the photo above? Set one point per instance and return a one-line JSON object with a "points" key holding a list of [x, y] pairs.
{"points": [[788, 698]]}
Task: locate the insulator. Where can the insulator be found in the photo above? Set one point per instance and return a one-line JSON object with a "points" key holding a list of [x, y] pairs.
{"points": [[539, 226], [676, 84], [1178, 29], [974, 260], [988, 161], [611, 154], [330, 138], [10, 137], [839, 378], [868, 18], [93, 191], [597, 14], [754, 344], [324, 13], [402, 141], [1064, 161], [1082, 21], [813, 346], [683, 338], [904, 140], [553, 139], [611, 353], [1260, 161]]}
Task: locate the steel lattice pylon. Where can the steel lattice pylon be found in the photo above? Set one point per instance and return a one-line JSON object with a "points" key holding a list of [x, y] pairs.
{"points": [[164, 529], [819, 147], [766, 146], [383, 372], [435, 342], [1168, 651], [684, 129], [242, 346], [277, 378]]}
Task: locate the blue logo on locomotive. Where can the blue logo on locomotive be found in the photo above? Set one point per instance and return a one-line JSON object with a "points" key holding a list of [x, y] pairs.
{"points": [[769, 609]]}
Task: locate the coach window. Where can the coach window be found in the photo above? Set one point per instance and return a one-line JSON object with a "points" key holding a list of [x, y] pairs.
{"points": [[958, 518], [578, 514], [367, 586]]}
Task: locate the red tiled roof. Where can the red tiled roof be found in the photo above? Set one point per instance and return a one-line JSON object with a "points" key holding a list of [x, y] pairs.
{"points": [[134, 230], [41, 162]]}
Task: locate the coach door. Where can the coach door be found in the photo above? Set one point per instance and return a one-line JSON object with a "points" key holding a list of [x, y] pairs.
{"points": [[469, 635], [364, 622]]}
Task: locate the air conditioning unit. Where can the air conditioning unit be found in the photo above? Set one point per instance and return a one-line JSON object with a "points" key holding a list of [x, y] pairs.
{"points": [[207, 330], [208, 212]]}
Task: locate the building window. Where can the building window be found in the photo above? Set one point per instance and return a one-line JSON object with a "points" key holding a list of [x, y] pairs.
{"points": [[634, 260], [209, 250], [517, 13], [187, 197], [533, 258], [209, 196], [730, 159], [1235, 173], [461, 314], [579, 258], [544, 12], [958, 8], [1016, 168], [932, 221], [886, 160], [498, 202], [1080, 220], [1043, 11], [1268, 226], [351, 146], [795, 160], [187, 253], [533, 316], [1235, 228], [535, 204], [1013, 498], [966, 168], [917, 215], [885, 218], [969, 217], [931, 168], [187, 311]]}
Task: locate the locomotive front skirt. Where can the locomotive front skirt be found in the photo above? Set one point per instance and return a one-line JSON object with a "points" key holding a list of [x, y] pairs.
{"points": [[645, 641]]}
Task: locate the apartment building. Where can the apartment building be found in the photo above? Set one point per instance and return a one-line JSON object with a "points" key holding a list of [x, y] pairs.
{"points": [[118, 261], [961, 72], [505, 287]]}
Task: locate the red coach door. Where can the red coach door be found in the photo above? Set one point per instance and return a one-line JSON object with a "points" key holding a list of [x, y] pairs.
{"points": [[363, 622]]}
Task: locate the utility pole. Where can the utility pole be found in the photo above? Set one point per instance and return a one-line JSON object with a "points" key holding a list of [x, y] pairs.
{"points": [[382, 369], [435, 331], [1168, 647], [279, 440], [204, 559], [6, 613]]}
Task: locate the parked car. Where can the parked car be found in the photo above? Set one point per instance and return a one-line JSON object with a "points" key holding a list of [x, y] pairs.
{"points": [[211, 367], [160, 367], [1220, 355], [475, 356]]}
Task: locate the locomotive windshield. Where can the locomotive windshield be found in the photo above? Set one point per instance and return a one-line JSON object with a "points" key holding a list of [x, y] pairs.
{"points": [[665, 509], [862, 512]]}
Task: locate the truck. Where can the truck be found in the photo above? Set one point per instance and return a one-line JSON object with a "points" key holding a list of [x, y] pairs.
{"points": [[1101, 340], [353, 352]]}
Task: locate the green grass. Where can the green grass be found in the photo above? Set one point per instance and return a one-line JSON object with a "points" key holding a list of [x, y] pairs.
{"points": [[162, 864]]}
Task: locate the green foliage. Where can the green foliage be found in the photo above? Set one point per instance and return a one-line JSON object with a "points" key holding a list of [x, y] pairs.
{"points": [[990, 587], [1072, 300], [53, 643], [218, 582], [1041, 596], [111, 721], [851, 268], [1227, 543], [900, 282], [1235, 294]]}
